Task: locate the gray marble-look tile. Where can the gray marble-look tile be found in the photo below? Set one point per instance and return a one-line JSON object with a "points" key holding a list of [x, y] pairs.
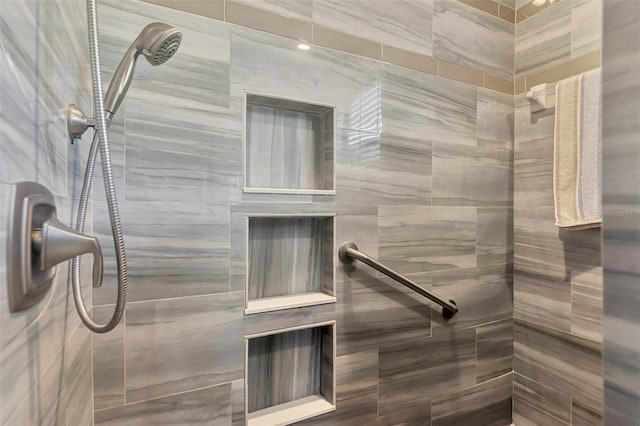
{"points": [[538, 239], [621, 222], [581, 415], [174, 249], [174, 345], [237, 403], [356, 391], [470, 176], [271, 64], [401, 23], [537, 404], [108, 362], [36, 53], [271, 380], [586, 26], [542, 294], [544, 39], [209, 406], [495, 119], [196, 77], [486, 43], [494, 344], [529, 126], [413, 374], [374, 312], [569, 364], [44, 403], [285, 256], [32, 342], [533, 173], [116, 148], [360, 225], [78, 380], [415, 105], [382, 170], [421, 239], [483, 294], [495, 235], [301, 9], [285, 148], [181, 154], [62, 395], [240, 212], [486, 404], [586, 304]]}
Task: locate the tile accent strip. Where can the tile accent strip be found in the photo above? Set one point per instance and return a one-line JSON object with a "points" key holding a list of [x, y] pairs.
{"points": [[262, 20], [210, 9], [411, 60], [492, 7], [567, 69], [460, 73], [530, 9], [332, 39], [297, 29]]}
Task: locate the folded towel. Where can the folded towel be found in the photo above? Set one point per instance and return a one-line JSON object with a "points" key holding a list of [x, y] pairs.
{"points": [[577, 152]]}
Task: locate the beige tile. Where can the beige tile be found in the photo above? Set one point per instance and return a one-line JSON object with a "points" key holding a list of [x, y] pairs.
{"points": [[575, 66], [347, 43], [262, 20], [489, 6], [519, 86], [529, 10], [500, 84], [411, 60], [211, 8], [507, 14], [460, 73]]}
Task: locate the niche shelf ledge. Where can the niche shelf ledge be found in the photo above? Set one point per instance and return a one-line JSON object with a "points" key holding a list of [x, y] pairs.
{"points": [[291, 412], [268, 304]]}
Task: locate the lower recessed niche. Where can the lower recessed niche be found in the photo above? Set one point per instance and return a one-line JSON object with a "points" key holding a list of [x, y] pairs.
{"points": [[289, 262], [290, 375]]}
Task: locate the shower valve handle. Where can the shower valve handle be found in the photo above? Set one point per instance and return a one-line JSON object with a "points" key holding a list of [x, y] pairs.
{"points": [[56, 242]]}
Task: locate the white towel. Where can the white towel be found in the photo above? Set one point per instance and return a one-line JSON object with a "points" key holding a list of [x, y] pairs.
{"points": [[577, 152]]}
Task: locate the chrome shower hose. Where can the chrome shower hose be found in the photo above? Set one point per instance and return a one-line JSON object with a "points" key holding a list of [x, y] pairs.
{"points": [[101, 142]]}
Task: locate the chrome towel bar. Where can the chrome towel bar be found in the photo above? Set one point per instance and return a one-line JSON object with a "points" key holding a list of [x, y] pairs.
{"points": [[348, 251]]}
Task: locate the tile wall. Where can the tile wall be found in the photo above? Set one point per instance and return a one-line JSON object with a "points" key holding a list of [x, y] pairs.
{"points": [[45, 354], [428, 180], [622, 212], [557, 273], [423, 174]]}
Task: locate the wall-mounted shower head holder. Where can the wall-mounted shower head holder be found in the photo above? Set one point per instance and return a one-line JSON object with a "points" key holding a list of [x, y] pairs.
{"points": [[78, 122], [37, 242]]}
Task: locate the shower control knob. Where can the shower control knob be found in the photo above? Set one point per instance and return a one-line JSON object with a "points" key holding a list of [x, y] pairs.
{"points": [[38, 241]]}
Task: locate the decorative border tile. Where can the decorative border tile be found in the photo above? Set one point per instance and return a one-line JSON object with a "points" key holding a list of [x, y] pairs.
{"points": [[248, 16]]}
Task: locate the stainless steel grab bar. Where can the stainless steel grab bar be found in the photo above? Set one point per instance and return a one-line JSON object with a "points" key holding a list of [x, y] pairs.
{"points": [[348, 251]]}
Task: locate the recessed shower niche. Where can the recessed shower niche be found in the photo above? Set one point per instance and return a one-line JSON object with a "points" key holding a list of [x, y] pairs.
{"points": [[289, 261], [290, 374], [288, 146]]}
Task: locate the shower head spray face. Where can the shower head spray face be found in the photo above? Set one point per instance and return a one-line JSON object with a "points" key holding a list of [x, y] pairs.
{"points": [[158, 42]]}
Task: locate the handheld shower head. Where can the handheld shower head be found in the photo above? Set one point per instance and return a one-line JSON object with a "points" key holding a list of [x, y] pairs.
{"points": [[158, 42]]}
